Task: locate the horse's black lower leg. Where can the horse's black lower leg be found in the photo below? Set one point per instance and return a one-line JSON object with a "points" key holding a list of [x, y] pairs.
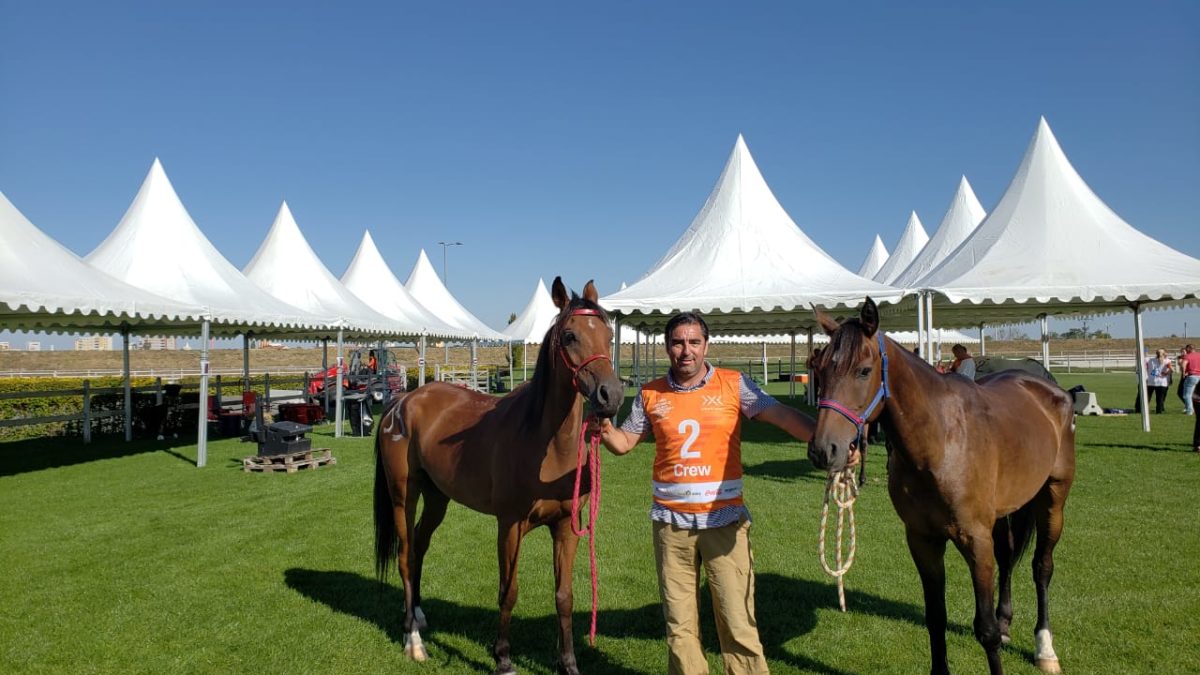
{"points": [[565, 546], [929, 555], [977, 548], [432, 514], [1007, 539], [1049, 529], [508, 545]]}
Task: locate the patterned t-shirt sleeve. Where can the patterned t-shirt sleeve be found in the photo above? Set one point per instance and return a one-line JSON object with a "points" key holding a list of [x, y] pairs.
{"points": [[754, 400], [636, 422]]}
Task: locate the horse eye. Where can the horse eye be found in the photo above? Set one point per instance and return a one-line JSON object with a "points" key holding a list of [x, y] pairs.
{"points": [[568, 338], [864, 372]]}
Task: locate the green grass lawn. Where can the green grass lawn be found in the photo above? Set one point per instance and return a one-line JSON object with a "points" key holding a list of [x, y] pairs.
{"points": [[126, 558]]}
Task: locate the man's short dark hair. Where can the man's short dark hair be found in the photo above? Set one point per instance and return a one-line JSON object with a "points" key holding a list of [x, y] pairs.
{"points": [[682, 318]]}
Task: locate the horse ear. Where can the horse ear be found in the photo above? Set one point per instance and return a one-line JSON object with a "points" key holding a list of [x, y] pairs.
{"points": [[869, 317], [589, 292], [558, 292], [825, 321]]}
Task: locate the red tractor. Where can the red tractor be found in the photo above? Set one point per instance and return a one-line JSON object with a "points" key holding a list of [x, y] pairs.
{"points": [[362, 374]]}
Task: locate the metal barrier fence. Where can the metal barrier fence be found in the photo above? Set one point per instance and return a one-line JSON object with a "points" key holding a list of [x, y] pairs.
{"points": [[88, 417]]}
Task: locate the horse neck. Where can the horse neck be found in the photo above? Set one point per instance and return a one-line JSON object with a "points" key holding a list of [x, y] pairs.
{"points": [[912, 418], [553, 406]]}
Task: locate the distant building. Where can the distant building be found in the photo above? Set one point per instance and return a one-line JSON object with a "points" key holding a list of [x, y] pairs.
{"points": [[33, 346], [94, 343], [158, 343], [4, 346]]}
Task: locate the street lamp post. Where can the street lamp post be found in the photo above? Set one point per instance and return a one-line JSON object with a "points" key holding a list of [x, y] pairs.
{"points": [[446, 245], [446, 283]]}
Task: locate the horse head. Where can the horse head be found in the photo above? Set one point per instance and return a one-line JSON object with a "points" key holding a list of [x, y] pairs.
{"points": [[582, 340], [852, 372]]}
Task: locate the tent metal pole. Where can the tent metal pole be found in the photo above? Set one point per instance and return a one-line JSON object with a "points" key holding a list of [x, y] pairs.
{"points": [[616, 359], [792, 372], [339, 413], [421, 363], [920, 328], [475, 363], [1045, 326], [929, 324], [246, 360], [810, 393], [1141, 365], [982, 341], [127, 385], [766, 375], [324, 370], [202, 428], [524, 361], [511, 368]]}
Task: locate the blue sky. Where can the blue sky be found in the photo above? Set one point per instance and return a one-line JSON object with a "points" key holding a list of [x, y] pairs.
{"points": [[556, 138]]}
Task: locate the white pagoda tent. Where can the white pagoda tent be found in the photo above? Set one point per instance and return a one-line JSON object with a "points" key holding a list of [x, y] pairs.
{"points": [[158, 248], [1051, 246], [745, 265], [912, 241], [962, 217], [425, 285], [44, 286], [287, 267], [539, 314], [372, 281], [875, 259]]}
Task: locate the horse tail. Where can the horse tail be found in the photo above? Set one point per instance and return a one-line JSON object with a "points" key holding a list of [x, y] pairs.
{"points": [[386, 545], [1021, 525]]}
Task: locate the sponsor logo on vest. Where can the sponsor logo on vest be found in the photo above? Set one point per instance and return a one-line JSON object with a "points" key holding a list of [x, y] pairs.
{"points": [[711, 401], [662, 408], [697, 493]]}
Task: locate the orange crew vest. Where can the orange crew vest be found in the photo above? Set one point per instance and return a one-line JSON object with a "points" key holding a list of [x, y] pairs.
{"points": [[697, 434]]}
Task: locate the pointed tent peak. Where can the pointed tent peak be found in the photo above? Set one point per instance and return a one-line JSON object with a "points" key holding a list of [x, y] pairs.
{"points": [[878, 243], [914, 221], [962, 217], [876, 257], [541, 286]]}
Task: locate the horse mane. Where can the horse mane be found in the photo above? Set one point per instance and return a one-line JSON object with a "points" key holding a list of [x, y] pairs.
{"points": [[844, 346], [540, 382]]}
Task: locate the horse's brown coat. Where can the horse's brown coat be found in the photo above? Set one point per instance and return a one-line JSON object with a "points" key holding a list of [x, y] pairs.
{"points": [[513, 457], [981, 464]]}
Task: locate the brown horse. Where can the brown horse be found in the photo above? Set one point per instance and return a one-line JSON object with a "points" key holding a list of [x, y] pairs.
{"points": [[513, 457], [980, 464]]}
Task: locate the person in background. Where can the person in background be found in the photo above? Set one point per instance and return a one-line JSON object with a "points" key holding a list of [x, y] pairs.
{"points": [[1159, 371], [1189, 371], [699, 519], [964, 364], [372, 362]]}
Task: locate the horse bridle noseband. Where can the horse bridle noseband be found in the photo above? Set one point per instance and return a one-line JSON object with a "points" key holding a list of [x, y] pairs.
{"points": [[562, 351], [860, 421]]}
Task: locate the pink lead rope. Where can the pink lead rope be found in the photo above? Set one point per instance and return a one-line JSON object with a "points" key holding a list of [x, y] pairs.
{"points": [[589, 449]]}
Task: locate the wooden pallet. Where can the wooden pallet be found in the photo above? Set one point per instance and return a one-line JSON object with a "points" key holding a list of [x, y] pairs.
{"points": [[290, 462]]}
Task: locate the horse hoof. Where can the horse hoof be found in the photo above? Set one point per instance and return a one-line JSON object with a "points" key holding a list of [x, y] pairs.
{"points": [[414, 648], [505, 671], [1005, 638], [1049, 666]]}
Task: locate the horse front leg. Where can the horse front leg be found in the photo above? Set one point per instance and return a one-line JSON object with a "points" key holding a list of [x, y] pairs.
{"points": [[565, 545], [929, 555], [977, 548], [508, 547]]}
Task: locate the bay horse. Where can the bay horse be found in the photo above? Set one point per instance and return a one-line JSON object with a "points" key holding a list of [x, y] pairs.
{"points": [[982, 464], [513, 457]]}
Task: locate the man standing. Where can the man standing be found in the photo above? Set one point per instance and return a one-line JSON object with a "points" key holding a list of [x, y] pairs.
{"points": [[1189, 370], [963, 364], [699, 517]]}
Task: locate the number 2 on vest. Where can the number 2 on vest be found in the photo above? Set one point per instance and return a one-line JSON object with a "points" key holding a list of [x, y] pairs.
{"points": [[692, 429]]}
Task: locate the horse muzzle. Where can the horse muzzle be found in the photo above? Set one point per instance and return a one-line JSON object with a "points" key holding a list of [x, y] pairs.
{"points": [[605, 399]]}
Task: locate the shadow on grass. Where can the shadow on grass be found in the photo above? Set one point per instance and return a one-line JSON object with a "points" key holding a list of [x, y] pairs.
{"points": [[1161, 447], [39, 454], [785, 611]]}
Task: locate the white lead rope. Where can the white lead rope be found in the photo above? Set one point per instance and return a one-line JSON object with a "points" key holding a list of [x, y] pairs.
{"points": [[843, 490]]}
